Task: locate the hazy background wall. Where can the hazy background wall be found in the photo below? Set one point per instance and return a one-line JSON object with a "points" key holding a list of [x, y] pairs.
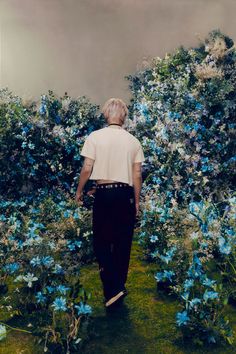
{"points": [[86, 47]]}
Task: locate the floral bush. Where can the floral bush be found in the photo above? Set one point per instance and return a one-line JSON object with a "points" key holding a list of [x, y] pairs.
{"points": [[40, 142], [184, 113], [43, 245], [44, 236]]}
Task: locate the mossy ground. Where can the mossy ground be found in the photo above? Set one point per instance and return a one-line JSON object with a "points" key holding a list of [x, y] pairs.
{"points": [[144, 323]]}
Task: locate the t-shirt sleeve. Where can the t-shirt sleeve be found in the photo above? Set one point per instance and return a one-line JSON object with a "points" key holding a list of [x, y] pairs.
{"points": [[88, 149], [139, 156]]}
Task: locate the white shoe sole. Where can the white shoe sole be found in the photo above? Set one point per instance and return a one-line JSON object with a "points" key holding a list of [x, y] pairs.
{"points": [[114, 298]]}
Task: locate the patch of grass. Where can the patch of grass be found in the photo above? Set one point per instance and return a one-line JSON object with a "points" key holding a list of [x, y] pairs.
{"points": [[19, 343], [145, 323]]}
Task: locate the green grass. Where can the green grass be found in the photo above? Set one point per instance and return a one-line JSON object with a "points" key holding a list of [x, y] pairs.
{"points": [[145, 323]]}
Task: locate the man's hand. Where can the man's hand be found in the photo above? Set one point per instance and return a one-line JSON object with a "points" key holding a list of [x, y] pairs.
{"points": [[79, 197], [91, 191]]}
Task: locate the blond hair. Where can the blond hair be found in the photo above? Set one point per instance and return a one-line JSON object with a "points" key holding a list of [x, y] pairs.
{"points": [[115, 107]]}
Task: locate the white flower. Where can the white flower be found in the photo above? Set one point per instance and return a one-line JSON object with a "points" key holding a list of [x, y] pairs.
{"points": [[29, 278]]}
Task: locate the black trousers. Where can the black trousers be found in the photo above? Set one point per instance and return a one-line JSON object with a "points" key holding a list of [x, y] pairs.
{"points": [[113, 228]]}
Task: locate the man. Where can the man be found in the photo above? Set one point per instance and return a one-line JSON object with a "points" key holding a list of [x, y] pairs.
{"points": [[113, 158]]}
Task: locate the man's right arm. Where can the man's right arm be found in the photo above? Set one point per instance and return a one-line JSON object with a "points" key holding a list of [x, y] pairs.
{"points": [[137, 183]]}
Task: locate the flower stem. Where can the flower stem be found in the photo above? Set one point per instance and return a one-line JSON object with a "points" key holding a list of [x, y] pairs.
{"points": [[16, 329]]}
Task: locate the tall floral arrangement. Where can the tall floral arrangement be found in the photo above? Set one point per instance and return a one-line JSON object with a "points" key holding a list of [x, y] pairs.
{"points": [[184, 109], [44, 236]]}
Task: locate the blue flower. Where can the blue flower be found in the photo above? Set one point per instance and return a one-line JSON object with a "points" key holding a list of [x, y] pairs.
{"points": [[31, 146], [208, 282], [204, 227], [210, 295], [188, 284], [195, 270], [169, 254], [154, 254], [187, 128], [40, 297], [59, 304], [25, 129], [67, 213], [153, 238], [58, 269], [198, 106], [190, 181], [24, 144], [167, 274], [36, 261], [43, 106], [158, 276], [73, 245], [50, 289], [182, 318], [11, 267], [194, 302], [62, 289], [174, 115], [224, 247], [143, 109], [196, 126], [47, 261], [230, 232], [196, 260], [83, 309], [76, 215], [42, 109]]}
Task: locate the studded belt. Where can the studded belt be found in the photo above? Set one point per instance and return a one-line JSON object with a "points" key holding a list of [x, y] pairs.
{"points": [[112, 185]]}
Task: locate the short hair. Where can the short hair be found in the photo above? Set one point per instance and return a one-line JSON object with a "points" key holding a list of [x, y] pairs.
{"points": [[113, 105]]}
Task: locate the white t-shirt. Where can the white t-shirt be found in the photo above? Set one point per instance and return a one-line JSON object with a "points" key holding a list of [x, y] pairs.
{"points": [[114, 151]]}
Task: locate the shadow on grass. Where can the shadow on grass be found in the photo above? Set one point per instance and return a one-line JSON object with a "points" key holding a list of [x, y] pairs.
{"points": [[113, 332]]}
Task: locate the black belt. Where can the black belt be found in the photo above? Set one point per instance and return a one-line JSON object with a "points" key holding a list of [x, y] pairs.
{"points": [[112, 185]]}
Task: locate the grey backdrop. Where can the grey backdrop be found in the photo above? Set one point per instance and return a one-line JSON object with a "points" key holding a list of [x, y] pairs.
{"points": [[86, 47]]}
